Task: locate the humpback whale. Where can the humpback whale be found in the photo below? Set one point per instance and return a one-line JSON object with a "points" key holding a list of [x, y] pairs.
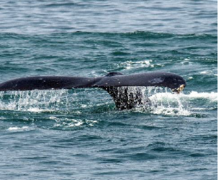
{"points": [[111, 83]]}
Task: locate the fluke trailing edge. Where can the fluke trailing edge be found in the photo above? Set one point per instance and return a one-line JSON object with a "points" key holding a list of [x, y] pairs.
{"points": [[111, 83]]}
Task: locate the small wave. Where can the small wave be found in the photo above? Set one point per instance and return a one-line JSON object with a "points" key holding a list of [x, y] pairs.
{"points": [[138, 64], [38, 110], [171, 111], [69, 123], [212, 96], [147, 34], [51, 5], [208, 73], [19, 129], [116, 38]]}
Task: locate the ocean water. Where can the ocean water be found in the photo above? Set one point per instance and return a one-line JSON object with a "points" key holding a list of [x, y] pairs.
{"points": [[78, 133]]}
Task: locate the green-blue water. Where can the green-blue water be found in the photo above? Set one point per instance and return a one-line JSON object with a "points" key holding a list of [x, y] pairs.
{"points": [[79, 134]]}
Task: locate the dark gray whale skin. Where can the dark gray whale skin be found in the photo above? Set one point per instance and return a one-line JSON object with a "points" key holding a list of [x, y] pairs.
{"points": [[111, 83]]}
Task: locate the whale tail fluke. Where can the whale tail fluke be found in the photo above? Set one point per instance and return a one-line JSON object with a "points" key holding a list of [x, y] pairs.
{"points": [[115, 83]]}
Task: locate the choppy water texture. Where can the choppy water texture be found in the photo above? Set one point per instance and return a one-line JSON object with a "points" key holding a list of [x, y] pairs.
{"points": [[78, 134]]}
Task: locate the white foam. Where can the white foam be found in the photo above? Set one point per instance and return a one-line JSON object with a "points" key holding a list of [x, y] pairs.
{"points": [[212, 96], [209, 73], [71, 123], [171, 111], [18, 128], [131, 64], [38, 110]]}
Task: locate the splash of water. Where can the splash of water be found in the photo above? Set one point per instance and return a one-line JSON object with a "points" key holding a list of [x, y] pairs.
{"points": [[182, 104], [158, 100]]}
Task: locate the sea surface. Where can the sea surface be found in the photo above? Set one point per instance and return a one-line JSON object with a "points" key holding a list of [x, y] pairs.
{"points": [[79, 133]]}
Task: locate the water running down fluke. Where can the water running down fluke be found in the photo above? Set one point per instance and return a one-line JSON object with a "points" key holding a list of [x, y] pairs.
{"points": [[156, 100], [34, 101]]}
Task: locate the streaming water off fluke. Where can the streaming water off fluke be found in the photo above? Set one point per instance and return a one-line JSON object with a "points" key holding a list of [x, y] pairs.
{"points": [[156, 100]]}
